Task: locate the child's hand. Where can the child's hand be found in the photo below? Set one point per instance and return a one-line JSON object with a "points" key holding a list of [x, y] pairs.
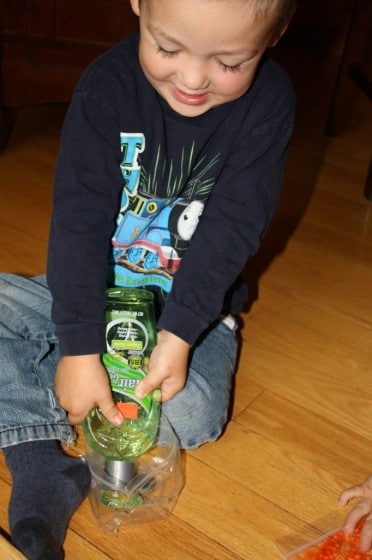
{"points": [[362, 509], [81, 384], [167, 367]]}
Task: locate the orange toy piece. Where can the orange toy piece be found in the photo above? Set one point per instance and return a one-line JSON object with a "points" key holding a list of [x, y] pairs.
{"points": [[333, 546], [128, 409]]}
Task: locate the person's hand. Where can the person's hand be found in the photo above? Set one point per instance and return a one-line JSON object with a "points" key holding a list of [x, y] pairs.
{"points": [[81, 384], [167, 367], [363, 509]]}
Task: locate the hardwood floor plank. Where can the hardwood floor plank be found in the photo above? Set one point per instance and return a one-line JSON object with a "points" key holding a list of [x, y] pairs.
{"points": [[322, 372], [172, 538], [229, 511], [309, 436]]}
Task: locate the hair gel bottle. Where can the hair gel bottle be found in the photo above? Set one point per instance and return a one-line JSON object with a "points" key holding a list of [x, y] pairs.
{"points": [[130, 338]]}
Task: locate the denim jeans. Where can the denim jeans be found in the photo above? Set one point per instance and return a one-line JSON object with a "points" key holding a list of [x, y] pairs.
{"points": [[29, 354]]}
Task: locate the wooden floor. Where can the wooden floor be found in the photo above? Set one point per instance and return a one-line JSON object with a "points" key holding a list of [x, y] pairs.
{"points": [[301, 425]]}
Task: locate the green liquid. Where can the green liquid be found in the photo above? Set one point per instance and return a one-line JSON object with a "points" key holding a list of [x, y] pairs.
{"points": [[114, 499], [128, 441]]}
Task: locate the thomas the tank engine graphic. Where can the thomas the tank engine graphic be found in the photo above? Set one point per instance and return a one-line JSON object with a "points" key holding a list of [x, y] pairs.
{"points": [[153, 233]]}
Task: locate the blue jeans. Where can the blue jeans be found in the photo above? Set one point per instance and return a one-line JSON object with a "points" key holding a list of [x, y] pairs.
{"points": [[29, 353]]}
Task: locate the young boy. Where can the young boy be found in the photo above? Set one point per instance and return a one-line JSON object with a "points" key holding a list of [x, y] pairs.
{"points": [[171, 161]]}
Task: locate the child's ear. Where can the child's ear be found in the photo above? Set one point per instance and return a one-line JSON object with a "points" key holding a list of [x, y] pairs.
{"points": [[282, 29], [135, 6]]}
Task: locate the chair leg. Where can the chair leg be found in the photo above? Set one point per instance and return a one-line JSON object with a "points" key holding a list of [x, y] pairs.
{"points": [[354, 48], [368, 183], [7, 120]]}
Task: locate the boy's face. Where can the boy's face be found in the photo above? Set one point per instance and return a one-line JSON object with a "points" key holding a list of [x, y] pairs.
{"points": [[198, 54]]}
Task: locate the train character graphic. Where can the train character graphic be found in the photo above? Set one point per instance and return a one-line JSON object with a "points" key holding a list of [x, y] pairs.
{"points": [[153, 233]]}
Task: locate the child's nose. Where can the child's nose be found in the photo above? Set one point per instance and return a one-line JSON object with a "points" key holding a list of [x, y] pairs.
{"points": [[193, 74]]}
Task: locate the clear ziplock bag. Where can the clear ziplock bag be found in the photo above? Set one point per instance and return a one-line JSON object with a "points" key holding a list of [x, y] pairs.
{"points": [[144, 490]]}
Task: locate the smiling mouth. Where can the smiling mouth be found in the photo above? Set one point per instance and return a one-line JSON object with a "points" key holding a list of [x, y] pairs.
{"points": [[189, 98]]}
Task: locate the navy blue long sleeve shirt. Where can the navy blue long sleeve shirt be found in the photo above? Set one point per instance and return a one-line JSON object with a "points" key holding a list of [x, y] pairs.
{"points": [[145, 197]]}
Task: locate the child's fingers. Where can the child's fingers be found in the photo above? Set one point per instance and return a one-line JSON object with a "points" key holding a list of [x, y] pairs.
{"points": [[365, 542], [148, 384], [350, 493], [362, 509], [170, 388], [76, 419]]}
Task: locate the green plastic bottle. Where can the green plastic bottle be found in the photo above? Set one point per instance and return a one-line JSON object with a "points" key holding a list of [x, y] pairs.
{"points": [[130, 338]]}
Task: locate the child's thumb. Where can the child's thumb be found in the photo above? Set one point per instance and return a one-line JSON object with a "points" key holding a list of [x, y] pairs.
{"points": [[111, 412], [142, 390], [145, 386]]}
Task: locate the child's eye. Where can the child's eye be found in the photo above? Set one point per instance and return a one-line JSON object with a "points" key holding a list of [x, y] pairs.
{"points": [[164, 52], [227, 68]]}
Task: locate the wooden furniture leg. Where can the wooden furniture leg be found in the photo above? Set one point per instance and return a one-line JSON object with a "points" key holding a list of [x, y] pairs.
{"points": [[354, 72], [368, 183]]}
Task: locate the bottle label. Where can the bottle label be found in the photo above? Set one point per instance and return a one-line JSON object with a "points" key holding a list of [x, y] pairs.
{"points": [[128, 338], [127, 356]]}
